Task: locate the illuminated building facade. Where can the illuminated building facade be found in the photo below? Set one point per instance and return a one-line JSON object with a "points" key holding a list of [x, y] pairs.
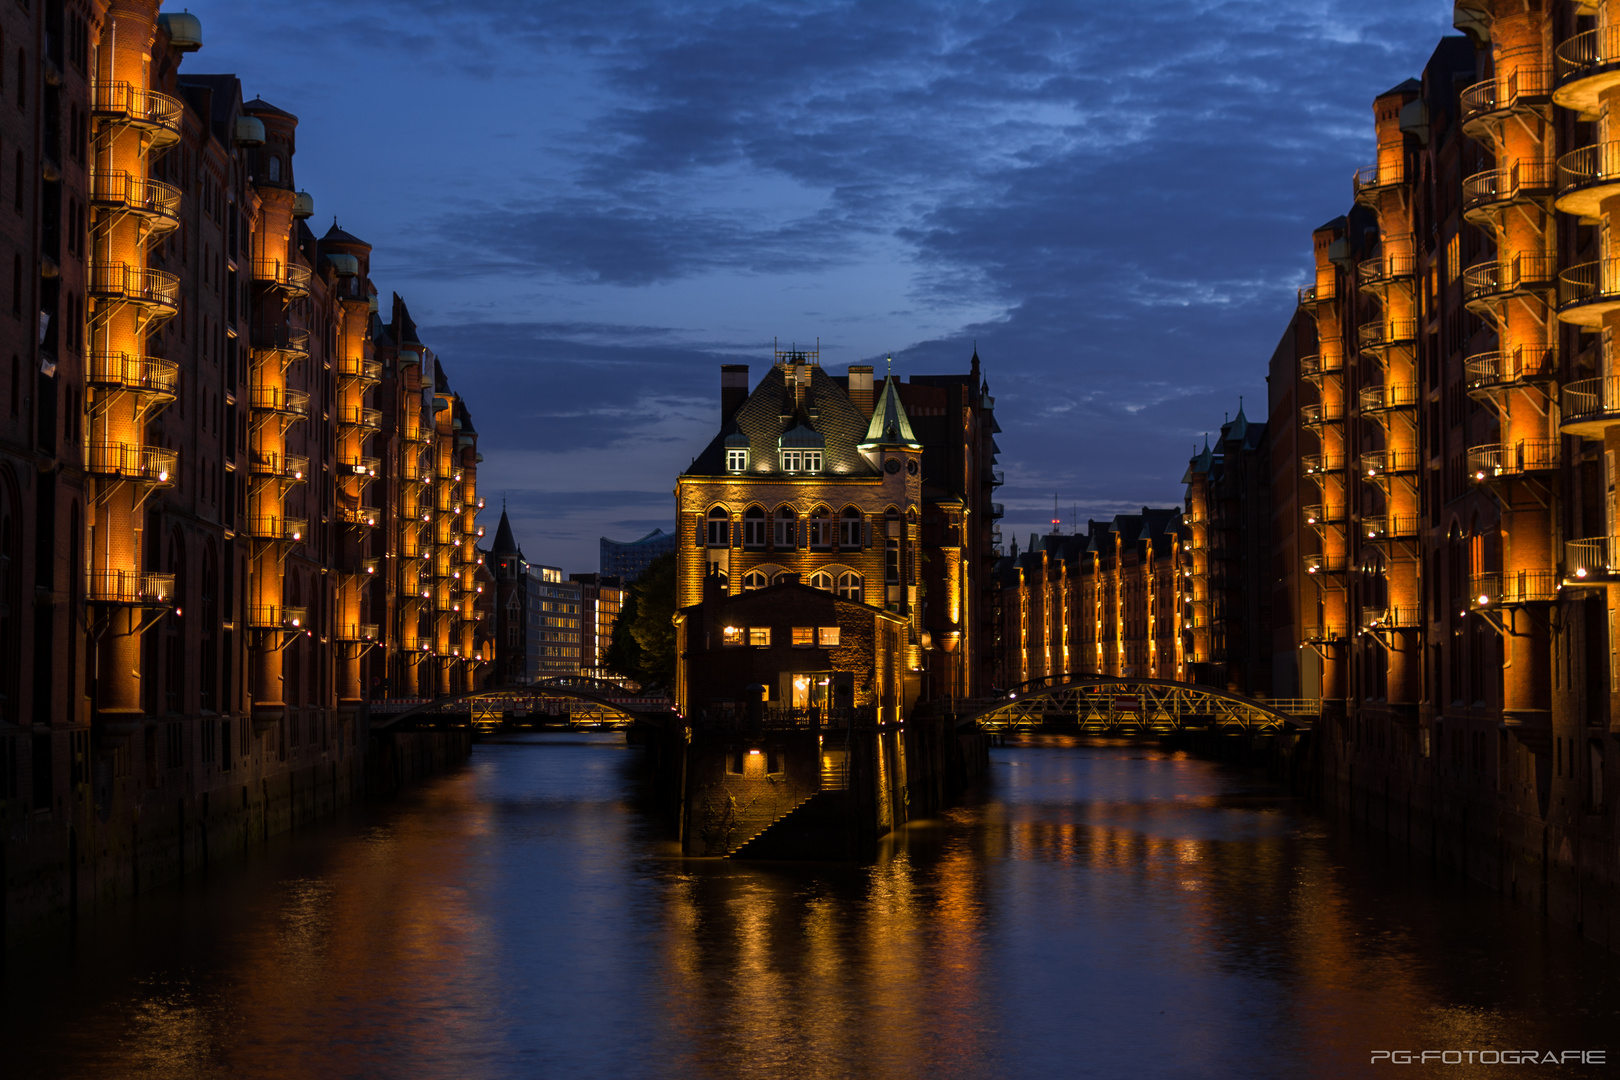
{"points": [[211, 469], [601, 598]]}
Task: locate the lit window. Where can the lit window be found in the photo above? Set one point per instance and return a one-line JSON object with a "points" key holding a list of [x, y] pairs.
{"points": [[850, 586], [804, 637], [849, 529], [759, 635], [791, 460], [821, 580], [736, 460], [733, 635], [812, 461], [821, 528], [719, 528], [829, 635]]}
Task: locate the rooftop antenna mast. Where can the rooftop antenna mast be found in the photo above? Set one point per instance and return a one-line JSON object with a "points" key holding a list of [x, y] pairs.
{"points": [[1055, 520]]}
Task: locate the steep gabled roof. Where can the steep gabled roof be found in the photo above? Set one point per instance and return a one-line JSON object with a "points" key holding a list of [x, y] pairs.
{"points": [[505, 543], [890, 426], [771, 412]]}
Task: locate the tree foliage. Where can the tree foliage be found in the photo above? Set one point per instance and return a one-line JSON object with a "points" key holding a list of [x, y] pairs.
{"points": [[643, 643]]}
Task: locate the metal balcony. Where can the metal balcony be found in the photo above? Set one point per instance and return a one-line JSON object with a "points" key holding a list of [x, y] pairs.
{"points": [[997, 510], [1591, 406], [156, 204], [1322, 633], [283, 341], [138, 374], [127, 461], [1320, 464], [1495, 99], [351, 466], [1589, 291], [1381, 463], [1491, 370], [365, 419], [1493, 461], [155, 115], [1588, 176], [1584, 66], [1323, 563], [292, 467], [284, 530], [1386, 398], [353, 632], [1391, 618], [1487, 193], [1389, 527], [1321, 414], [280, 401], [277, 617], [116, 282], [129, 587], [1488, 283], [362, 516], [360, 370], [1380, 270], [1589, 562], [1312, 295], [288, 277], [1375, 337], [1513, 588], [1371, 180], [1318, 365], [1320, 515]]}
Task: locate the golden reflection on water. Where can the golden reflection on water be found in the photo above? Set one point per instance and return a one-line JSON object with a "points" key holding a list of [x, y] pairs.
{"points": [[1140, 912]]}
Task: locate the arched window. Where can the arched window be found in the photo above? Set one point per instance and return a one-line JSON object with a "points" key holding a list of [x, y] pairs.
{"points": [[821, 580], [849, 528], [851, 586], [275, 168], [782, 577], [786, 532], [821, 527], [719, 534], [754, 527], [754, 580]]}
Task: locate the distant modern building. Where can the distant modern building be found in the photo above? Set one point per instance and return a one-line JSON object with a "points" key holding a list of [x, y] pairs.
{"points": [[555, 621], [626, 560], [601, 598]]}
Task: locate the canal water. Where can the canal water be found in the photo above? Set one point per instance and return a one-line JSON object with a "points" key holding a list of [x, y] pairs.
{"points": [[1094, 910]]}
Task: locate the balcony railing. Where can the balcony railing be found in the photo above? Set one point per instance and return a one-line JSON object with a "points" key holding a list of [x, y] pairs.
{"points": [[350, 466], [1321, 632], [1594, 285], [1493, 460], [121, 281], [1324, 563], [1388, 462], [1320, 464], [1321, 413], [277, 617], [1580, 57], [1500, 369], [126, 461], [1500, 187], [1383, 268], [355, 416], [1522, 273], [1318, 294], [1587, 176], [280, 529], [142, 374], [1390, 396], [1390, 527], [279, 399], [1515, 587], [1586, 561], [368, 371], [997, 510], [366, 516], [1386, 333], [1499, 96], [158, 114], [1323, 515], [1322, 363], [357, 632], [283, 466], [279, 274], [1371, 179], [128, 587], [281, 339], [1391, 618], [1590, 405], [158, 203]]}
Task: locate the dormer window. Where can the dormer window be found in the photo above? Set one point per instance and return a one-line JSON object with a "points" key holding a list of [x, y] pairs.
{"points": [[801, 460], [737, 460]]}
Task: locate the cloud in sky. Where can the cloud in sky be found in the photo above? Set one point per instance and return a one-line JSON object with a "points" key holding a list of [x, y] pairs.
{"points": [[589, 206]]}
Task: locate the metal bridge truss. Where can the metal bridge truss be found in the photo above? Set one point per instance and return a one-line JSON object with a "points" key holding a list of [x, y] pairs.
{"points": [[1124, 706], [608, 702]]}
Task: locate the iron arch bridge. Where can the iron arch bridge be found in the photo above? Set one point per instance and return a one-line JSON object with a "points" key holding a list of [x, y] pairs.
{"points": [[628, 706], [1123, 705]]}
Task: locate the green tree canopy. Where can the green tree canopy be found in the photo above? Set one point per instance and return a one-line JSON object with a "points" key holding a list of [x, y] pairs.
{"points": [[643, 643]]}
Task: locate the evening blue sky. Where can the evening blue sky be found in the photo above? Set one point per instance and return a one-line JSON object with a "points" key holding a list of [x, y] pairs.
{"points": [[591, 206]]}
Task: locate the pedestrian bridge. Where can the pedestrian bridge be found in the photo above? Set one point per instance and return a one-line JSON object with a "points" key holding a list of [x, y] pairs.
{"points": [[1122, 705], [488, 705]]}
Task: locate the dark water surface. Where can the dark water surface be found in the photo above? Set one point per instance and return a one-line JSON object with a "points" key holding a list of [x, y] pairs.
{"points": [[1096, 910]]}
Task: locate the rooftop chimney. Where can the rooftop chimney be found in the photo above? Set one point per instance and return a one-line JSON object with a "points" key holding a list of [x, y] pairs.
{"points": [[860, 388], [733, 389]]}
